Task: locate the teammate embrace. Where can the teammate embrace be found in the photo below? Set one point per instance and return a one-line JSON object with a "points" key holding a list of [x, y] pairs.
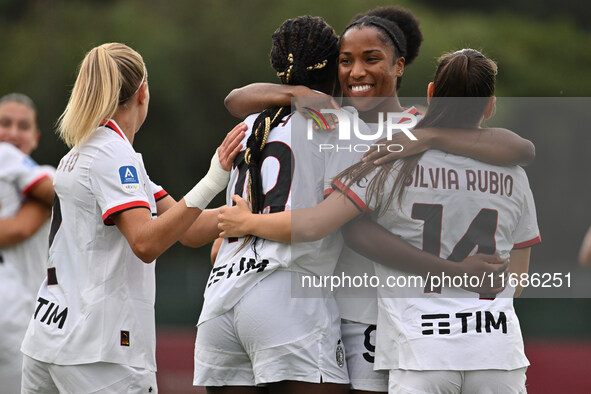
{"points": [[93, 327], [371, 59]]}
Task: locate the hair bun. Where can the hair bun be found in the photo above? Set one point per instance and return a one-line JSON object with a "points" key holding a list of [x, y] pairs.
{"points": [[406, 21]]}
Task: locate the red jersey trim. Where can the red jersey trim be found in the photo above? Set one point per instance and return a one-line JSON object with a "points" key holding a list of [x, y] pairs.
{"points": [[328, 192], [31, 185], [358, 202], [529, 243], [123, 207], [113, 126], [412, 111], [160, 195]]}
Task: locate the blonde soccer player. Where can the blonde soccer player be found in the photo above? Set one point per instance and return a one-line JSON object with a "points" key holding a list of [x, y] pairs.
{"points": [[93, 327]]}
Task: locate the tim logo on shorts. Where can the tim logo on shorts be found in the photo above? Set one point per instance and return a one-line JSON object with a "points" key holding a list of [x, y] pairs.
{"points": [[129, 179]]}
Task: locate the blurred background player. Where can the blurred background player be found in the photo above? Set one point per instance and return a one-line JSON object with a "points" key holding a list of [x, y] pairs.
{"points": [[31, 223], [23, 237]]}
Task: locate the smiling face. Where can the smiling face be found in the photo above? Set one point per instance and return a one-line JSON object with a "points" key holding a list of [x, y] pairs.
{"points": [[18, 126], [368, 68]]}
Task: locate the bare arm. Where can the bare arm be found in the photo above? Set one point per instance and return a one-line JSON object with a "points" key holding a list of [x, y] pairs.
{"points": [[312, 224], [239, 221], [150, 238], [30, 217], [495, 146], [43, 191], [301, 225], [378, 244], [585, 252], [519, 265], [256, 97], [203, 230]]}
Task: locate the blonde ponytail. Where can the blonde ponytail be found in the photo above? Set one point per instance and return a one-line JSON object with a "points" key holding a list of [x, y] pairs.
{"points": [[107, 73]]}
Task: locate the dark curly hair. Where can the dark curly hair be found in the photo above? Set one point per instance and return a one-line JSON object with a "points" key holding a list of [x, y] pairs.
{"points": [[397, 26]]}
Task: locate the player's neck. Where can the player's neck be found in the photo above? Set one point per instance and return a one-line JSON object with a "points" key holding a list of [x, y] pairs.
{"points": [[127, 121]]}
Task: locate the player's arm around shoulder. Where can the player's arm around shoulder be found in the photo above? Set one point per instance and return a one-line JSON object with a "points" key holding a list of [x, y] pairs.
{"points": [[256, 97], [496, 146]]}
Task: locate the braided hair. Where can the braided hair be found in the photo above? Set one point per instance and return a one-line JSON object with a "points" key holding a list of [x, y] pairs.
{"points": [[397, 26], [304, 52]]}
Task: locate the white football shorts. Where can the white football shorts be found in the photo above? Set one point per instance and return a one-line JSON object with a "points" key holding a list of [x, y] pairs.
{"points": [[359, 340], [486, 381], [270, 336], [96, 378]]}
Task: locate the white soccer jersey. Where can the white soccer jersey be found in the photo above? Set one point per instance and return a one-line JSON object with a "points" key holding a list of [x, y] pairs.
{"points": [[18, 170], [97, 302], [454, 206], [32, 255], [18, 175], [360, 303], [295, 173]]}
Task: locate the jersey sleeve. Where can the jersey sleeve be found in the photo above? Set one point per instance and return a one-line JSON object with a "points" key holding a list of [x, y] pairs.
{"points": [[526, 232], [341, 156], [115, 180], [20, 169], [354, 193], [158, 191]]}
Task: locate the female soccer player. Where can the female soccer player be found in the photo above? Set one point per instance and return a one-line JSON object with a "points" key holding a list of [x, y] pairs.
{"points": [[251, 331], [374, 50], [93, 327], [23, 245], [18, 122], [444, 340]]}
